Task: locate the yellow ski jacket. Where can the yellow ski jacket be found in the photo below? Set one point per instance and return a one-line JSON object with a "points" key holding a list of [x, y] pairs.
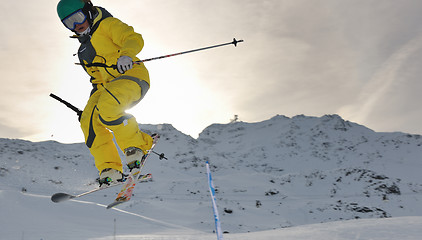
{"points": [[109, 39]]}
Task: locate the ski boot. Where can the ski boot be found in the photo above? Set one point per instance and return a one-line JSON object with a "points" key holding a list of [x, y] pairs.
{"points": [[109, 176], [134, 157]]}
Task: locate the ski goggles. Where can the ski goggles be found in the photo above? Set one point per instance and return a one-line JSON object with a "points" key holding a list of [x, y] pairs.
{"points": [[74, 19]]}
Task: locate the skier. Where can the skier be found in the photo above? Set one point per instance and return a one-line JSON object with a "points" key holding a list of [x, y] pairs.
{"points": [[105, 39]]}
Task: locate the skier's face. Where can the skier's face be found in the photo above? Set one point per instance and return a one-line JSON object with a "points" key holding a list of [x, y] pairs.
{"points": [[79, 28]]}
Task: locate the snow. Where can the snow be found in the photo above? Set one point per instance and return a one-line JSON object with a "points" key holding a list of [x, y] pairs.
{"points": [[283, 178]]}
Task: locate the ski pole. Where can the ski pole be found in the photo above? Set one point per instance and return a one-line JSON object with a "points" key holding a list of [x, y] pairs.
{"points": [[160, 155], [77, 110], [234, 42]]}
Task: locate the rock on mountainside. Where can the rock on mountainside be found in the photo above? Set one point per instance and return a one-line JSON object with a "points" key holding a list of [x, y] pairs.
{"points": [[277, 173]]}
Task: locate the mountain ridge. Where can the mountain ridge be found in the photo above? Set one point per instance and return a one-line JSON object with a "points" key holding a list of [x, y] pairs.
{"points": [[277, 173]]}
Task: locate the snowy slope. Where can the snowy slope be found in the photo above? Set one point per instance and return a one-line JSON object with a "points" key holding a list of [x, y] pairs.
{"points": [[269, 175]]}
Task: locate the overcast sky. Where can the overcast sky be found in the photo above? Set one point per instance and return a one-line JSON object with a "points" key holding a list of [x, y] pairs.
{"points": [[356, 58]]}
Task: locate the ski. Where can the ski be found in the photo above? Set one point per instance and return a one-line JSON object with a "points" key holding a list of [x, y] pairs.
{"points": [[126, 192], [61, 197]]}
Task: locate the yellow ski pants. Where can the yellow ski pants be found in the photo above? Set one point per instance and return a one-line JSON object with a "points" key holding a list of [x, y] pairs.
{"points": [[105, 113]]}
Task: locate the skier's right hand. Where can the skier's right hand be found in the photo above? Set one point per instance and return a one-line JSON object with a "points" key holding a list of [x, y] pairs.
{"points": [[124, 63]]}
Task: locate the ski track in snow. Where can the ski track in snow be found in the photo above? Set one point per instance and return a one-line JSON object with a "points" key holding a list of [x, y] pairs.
{"points": [[164, 224], [404, 228]]}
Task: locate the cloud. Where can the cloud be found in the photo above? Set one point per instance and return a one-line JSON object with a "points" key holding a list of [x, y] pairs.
{"points": [[7, 131], [382, 81]]}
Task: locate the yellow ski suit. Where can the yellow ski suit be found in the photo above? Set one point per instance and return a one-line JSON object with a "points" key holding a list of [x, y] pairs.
{"points": [[112, 93]]}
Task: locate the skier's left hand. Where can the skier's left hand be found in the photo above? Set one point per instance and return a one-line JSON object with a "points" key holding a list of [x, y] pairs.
{"points": [[124, 63]]}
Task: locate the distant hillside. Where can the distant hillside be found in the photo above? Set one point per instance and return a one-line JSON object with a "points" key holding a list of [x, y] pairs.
{"points": [[272, 174]]}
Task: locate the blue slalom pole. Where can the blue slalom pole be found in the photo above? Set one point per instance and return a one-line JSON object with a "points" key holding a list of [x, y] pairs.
{"points": [[214, 205]]}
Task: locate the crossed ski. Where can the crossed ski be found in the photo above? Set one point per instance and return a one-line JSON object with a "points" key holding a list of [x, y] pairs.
{"points": [[61, 197], [128, 185]]}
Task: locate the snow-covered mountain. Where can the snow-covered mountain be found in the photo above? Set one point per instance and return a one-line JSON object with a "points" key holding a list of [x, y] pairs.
{"points": [[274, 174]]}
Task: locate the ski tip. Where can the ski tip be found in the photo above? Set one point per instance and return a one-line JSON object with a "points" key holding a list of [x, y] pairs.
{"points": [[114, 204], [60, 197]]}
